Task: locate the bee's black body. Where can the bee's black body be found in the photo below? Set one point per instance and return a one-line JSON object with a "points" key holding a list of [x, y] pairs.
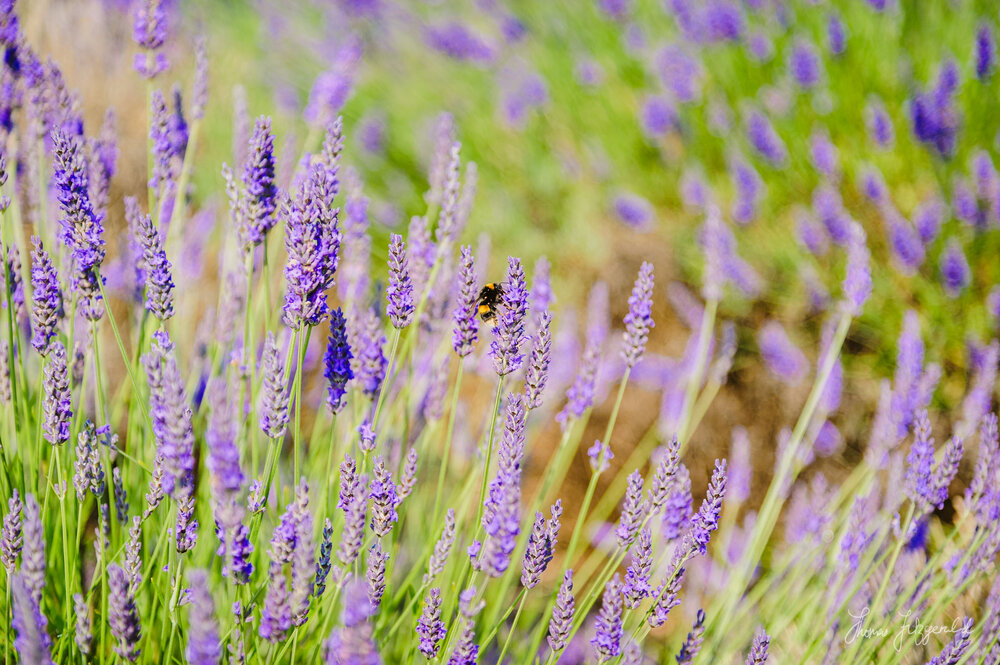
{"points": [[489, 299]]}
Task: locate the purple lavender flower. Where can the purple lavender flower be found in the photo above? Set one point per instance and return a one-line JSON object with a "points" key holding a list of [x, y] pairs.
{"points": [[186, 526], [276, 616], [945, 471], [658, 116], [84, 634], [371, 361], [804, 64], [920, 464], [694, 640], [384, 500], [467, 651], [633, 211], [156, 268], [600, 457], [32, 641], [748, 187], [123, 614], [508, 334], [459, 42], [608, 631], [637, 585], [707, 519], [33, 553], [758, 652], [312, 240], [324, 563], [879, 124], [541, 547], [538, 368], [680, 72], [765, 139], [199, 89], [149, 31], [274, 393], [780, 355], [810, 233], [89, 472], [824, 154], [562, 614], [354, 526], [836, 34], [933, 115], [954, 650], [466, 326], [57, 404], [261, 194], [985, 52], [639, 319], [955, 273], [11, 540], [366, 435], [907, 248], [442, 548], [375, 574], [500, 519], [337, 362], [81, 229], [430, 628], [334, 86], [399, 293], [858, 279], [170, 412], [666, 598], [632, 513], [46, 299], [203, 647], [928, 217]]}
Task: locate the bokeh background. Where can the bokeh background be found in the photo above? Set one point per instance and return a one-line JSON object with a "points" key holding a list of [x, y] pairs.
{"points": [[599, 132]]}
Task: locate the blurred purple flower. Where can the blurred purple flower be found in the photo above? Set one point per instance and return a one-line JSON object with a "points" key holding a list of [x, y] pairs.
{"points": [[333, 87], [824, 154], [878, 122], [765, 140], [955, 272], [460, 42], [804, 64], [836, 34], [780, 355], [658, 116], [634, 211], [680, 72], [985, 52]]}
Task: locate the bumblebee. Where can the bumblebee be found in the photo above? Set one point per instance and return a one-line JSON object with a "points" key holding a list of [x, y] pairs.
{"points": [[489, 299]]}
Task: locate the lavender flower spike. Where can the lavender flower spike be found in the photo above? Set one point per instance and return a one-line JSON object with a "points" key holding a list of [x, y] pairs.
{"points": [[384, 500], [159, 284], [258, 179], [509, 331], [337, 362], [31, 642], [82, 229], [123, 615], [203, 647], [274, 394], [170, 412], [399, 293], [955, 273], [11, 540], [694, 640], [57, 404], [46, 299], [639, 319], [758, 652], [858, 281], [312, 241], [430, 628], [707, 519], [150, 32], [538, 367], [562, 614], [632, 511], [466, 325], [608, 632]]}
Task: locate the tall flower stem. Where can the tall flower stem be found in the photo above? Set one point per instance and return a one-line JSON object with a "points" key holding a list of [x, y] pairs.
{"points": [[770, 509], [446, 455], [698, 371], [489, 454], [297, 442], [383, 389]]}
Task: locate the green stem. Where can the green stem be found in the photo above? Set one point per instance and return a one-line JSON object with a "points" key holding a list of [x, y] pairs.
{"points": [[489, 453], [446, 456], [383, 389], [296, 451]]}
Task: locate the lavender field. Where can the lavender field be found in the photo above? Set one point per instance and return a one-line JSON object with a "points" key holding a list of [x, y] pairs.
{"points": [[369, 332]]}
